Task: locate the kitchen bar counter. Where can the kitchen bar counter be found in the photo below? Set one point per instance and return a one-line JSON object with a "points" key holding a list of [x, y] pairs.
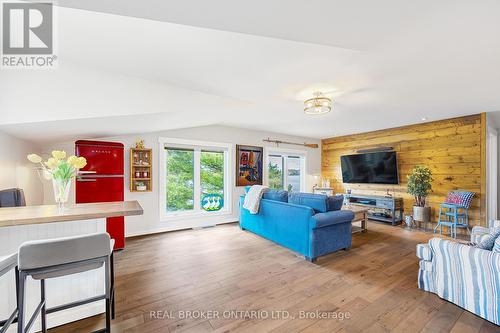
{"points": [[21, 224], [17, 216]]}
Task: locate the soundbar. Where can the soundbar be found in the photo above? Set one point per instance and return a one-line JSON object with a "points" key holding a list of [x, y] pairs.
{"points": [[374, 150]]}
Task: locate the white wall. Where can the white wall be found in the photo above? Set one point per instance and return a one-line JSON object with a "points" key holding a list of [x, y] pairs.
{"points": [[16, 170], [150, 221], [498, 171]]}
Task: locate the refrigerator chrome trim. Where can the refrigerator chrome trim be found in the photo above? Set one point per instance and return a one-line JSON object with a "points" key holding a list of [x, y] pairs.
{"points": [[96, 145], [86, 172], [100, 176]]}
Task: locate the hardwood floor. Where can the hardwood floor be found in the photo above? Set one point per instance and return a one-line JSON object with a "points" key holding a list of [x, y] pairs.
{"points": [[225, 269]]}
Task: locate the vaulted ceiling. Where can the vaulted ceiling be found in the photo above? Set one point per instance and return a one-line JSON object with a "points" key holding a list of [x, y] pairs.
{"points": [[139, 66]]}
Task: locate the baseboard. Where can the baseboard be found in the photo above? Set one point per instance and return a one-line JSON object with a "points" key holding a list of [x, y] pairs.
{"points": [[169, 228]]}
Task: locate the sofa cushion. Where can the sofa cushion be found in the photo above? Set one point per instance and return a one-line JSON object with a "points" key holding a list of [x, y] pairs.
{"points": [[424, 252], [318, 202], [276, 195], [488, 241], [334, 202], [320, 220], [426, 265], [477, 233]]}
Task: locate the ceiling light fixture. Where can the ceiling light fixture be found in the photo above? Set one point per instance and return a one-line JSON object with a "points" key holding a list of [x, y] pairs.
{"points": [[319, 104]]}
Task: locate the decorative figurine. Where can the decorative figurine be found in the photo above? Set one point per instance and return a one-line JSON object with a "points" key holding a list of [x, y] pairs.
{"points": [[139, 144]]}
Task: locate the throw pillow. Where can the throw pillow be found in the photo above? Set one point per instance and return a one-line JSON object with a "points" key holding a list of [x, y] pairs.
{"points": [[496, 247], [276, 195], [488, 241], [334, 202], [452, 198]]}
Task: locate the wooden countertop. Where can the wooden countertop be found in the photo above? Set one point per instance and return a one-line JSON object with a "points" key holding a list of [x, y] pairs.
{"points": [[49, 213]]}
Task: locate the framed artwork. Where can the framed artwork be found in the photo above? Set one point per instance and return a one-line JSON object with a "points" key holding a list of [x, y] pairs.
{"points": [[249, 161]]}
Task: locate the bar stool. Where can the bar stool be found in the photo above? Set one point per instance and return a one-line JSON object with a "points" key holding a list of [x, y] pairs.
{"points": [[53, 258], [8, 263]]}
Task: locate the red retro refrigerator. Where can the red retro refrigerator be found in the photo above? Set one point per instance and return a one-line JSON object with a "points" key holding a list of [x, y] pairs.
{"points": [[104, 183]]}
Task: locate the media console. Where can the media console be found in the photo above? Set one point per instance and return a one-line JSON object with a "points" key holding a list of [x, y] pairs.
{"points": [[389, 205]]}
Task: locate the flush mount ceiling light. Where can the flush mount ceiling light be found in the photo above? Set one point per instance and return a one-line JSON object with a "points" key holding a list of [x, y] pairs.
{"points": [[319, 104]]}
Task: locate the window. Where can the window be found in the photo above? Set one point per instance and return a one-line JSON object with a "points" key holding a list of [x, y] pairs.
{"points": [[194, 178], [180, 179], [275, 172], [293, 173], [286, 170], [212, 173]]}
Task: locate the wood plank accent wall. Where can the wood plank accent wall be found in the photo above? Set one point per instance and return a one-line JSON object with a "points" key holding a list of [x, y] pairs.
{"points": [[454, 149]]}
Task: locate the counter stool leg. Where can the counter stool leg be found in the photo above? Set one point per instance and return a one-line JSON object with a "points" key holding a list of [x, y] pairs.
{"points": [[44, 307], [112, 286], [16, 277], [21, 300], [108, 294]]}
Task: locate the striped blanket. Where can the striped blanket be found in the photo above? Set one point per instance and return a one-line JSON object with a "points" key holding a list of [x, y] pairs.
{"points": [[462, 274]]}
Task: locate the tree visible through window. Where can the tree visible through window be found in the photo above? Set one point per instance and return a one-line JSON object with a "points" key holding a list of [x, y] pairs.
{"points": [[212, 173], [275, 172], [195, 179], [285, 172], [180, 180]]}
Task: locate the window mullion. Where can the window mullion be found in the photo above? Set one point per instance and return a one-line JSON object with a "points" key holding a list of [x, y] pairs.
{"points": [[197, 179], [284, 165]]}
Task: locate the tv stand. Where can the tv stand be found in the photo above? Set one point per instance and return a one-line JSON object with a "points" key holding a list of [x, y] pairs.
{"points": [[389, 205]]}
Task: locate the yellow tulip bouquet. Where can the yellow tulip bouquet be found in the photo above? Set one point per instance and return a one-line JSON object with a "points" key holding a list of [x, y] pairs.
{"points": [[61, 171]]}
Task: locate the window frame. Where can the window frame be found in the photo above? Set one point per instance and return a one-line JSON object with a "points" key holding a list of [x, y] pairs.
{"points": [[284, 153], [197, 146]]}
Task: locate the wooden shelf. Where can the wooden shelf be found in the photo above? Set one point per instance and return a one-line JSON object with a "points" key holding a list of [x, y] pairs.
{"points": [[137, 157]]}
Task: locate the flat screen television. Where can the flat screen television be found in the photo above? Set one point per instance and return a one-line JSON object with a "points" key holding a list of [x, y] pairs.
{"points": [[370, 168]]}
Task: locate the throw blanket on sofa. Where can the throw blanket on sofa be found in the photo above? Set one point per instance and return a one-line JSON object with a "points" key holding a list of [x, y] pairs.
{"points": [[252, 199]]}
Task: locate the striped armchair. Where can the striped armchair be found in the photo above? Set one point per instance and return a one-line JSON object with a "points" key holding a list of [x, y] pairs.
{"points": [[464, 275]]}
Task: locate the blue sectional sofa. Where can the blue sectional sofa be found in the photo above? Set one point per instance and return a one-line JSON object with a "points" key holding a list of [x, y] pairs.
{"points": [[310, 224]]}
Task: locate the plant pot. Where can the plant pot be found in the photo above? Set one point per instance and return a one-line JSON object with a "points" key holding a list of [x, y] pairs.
{"points": [[422, 214]]}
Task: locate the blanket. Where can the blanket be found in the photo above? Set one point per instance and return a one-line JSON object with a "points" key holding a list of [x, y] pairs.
{"points": [[252, 199]]}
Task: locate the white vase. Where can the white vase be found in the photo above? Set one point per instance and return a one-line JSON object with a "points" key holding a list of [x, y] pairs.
{"points": [[61, 192]]}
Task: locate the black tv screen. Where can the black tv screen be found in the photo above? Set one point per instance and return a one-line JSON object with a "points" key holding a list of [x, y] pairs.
{"points": [[370, 168]]}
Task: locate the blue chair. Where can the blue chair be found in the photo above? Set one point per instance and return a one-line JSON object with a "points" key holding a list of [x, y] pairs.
{"points": [[454, 212]]}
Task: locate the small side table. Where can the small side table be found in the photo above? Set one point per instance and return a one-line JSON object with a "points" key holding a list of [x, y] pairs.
{"points": [[360, 215]]}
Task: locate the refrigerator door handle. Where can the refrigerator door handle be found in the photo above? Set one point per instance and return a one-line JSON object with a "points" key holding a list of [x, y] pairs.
{"points": [[80, 179], [98, 176]]}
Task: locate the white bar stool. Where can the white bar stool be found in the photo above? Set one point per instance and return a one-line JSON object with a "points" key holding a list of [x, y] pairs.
{"points": [[8, 263], [58, 257]]}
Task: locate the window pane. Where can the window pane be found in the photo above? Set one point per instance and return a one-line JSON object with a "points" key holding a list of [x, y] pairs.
{"points": [[293, 173], [212, 180], [180, 179], [275, 169]]}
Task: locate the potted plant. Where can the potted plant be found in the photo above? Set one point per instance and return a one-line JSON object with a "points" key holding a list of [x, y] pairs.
{"points": [[420, 185]]}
